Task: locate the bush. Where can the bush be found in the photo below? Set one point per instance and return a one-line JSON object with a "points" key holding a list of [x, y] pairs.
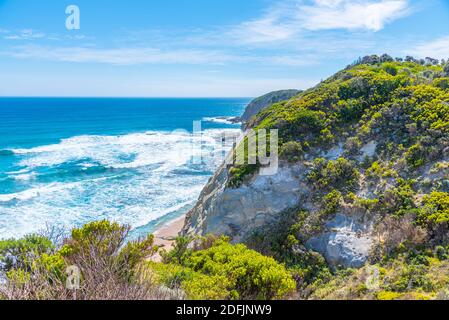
{"points": [[339, 174], [238, 174], [388, 295], [446, 69], [244, 273], [352, 145], [300, 123], [20, 254], [195, 285], [331, 202], [355, 88], [416, 156], [180, 251], [103, 245], [379, 170], [110, 267], [442, 83], [291, 151], [435, 210], [390, 68], [254, 276], [399, 200]]}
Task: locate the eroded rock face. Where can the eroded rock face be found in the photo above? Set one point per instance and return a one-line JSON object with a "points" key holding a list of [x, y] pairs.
{"points": [[346, 242], [237, 212], [220, 210]]}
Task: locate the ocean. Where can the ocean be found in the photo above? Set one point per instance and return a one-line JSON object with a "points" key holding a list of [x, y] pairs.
{"points": [[65, 162]]}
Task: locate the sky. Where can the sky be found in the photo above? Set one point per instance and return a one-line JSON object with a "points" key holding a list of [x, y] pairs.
{"points": [[204, 48]]}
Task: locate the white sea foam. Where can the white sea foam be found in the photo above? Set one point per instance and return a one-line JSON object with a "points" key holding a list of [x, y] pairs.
{"points": [[149, 175], [111, 151], [34, 192], [222, 120]]}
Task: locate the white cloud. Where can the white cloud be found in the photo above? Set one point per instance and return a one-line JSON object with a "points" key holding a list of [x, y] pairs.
{"points": [[265, 29], [295, 16], [25, 34], [119, 56], [328, 3], [438, 48], [138, 56], [351, 15]]}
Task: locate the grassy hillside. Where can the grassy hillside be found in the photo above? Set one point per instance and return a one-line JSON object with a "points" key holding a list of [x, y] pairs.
{"points": [[401, 104], [388, 121]]}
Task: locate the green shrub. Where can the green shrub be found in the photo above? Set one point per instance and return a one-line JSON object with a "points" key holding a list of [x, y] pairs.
{"points": [[339, 174], [331, 202], [399, 200], [248, 274], [105, 242], [388, 295], [446, 69], [390, 68], [442, 83], [109, 265], [20, 254], [197, 286], [291, 151], [303, 122], [180, 251], [416, 156], [237, 174], [435, 210], [253, 275], [441, 253], [379, 170]]}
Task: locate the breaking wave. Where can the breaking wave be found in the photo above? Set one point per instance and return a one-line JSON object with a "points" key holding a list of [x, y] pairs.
{"points": [[133, 179]]}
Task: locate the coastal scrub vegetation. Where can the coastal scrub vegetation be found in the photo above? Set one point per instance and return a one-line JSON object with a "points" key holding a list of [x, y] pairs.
{"points": [[374, 142], [227, 271], [37, 268], [401, 102], [113, 268]]}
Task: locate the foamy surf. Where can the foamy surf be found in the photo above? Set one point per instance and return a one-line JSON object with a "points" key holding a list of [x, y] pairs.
{"points": [[136, 178], [223, 120]]}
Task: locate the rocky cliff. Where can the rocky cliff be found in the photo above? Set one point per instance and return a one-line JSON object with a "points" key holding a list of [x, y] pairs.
{"points": [[260, 103], [237, 211], [364, 170]]}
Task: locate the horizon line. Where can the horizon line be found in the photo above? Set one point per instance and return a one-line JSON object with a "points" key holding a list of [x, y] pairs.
{"points": [[121, 97]]}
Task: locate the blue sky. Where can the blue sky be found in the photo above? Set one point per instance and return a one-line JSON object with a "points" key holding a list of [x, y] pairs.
{"points": [[203, 48]]}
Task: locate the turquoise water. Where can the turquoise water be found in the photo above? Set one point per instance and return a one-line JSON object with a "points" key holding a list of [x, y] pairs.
{"points": [[65, 162]]}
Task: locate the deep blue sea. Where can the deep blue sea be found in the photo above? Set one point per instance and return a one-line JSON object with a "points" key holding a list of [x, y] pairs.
{"points": [[65, 162]]}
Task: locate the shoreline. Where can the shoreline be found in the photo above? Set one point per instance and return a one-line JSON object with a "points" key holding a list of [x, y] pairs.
{"points": [[165, 235]]}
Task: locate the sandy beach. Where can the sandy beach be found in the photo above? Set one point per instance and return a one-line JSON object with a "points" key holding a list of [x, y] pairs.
{"points": [[166, 234]]}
